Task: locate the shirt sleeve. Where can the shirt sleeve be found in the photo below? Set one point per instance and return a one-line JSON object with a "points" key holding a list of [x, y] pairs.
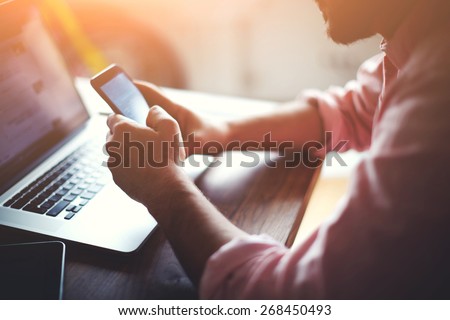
{"points": [[389, 236], [348, 112]]}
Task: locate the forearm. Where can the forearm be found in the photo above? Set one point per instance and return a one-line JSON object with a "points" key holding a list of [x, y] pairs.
{"points": [[193, 226], [294, 123]]}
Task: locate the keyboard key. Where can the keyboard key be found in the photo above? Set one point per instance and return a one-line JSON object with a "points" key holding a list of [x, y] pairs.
{"points": [[70, 208], [10, 201], [73, 171], [87, 195], [46, 193], [88, 170], [60, 206], [67, 176], [38, 200], [96, 174], [55, 198], [35, 209], [20, 203], [81, 176], [30, 195], [95, 188], [62, 192], [41, 186], [83, 202], [26, 189], [70, 197], [66, 165], [60, 182], [69, 215], [51, 189], [76, 209], [47, 204], [76, 192], [70, 185], [54, 187], [83, 186]]}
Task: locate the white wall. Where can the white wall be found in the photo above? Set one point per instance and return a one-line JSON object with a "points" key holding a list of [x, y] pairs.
{"points": [[256, 48]]}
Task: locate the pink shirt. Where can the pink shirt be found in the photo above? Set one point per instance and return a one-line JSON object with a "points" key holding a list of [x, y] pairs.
{"points": [[390, 236]]}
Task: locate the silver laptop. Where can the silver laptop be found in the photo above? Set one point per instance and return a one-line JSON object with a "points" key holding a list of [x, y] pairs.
{"points": [[52, 175]]}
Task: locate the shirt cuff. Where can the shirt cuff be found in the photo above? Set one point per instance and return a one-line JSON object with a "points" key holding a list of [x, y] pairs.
{"points": [[229, 259]]}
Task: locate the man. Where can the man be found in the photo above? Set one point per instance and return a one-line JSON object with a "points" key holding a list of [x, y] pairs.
{"points": [[390, 237]]}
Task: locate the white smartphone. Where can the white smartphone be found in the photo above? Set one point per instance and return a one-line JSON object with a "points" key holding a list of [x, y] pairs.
{"points": [[121, 94]]}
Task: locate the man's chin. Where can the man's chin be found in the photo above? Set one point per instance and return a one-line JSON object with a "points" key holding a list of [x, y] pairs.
{"points": [[338, 37], [345, 35]]}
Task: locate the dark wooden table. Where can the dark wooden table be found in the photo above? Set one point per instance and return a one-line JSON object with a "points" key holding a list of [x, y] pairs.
{"points": [[268, 199]]}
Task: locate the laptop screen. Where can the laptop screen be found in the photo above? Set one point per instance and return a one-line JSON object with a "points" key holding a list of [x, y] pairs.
{"points": [[39, 105]]}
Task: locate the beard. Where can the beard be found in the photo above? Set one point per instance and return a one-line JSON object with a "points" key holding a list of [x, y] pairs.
{"points": [[349, 20]]}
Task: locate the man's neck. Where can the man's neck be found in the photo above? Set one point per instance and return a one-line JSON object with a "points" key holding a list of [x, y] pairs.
{"points": [[393, 16]]}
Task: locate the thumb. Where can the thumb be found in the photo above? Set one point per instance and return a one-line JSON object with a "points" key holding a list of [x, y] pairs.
{"points": [[161, 121], [154, 96]]}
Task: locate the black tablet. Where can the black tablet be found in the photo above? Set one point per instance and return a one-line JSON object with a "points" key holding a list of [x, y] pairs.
{"points": [[32, 271]]}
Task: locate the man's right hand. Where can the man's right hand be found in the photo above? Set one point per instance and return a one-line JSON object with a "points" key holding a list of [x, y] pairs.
{"points": [[195, 129]]}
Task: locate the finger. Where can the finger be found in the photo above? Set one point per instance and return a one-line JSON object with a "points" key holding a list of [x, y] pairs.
{"points": [[111, 146], [159, 120], [108, 144], [113, 120], [111, 141], [155, 96], [180, 153]]}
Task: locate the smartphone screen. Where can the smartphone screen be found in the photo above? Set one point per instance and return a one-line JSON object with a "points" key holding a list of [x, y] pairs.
{"points": [[119, 91]]}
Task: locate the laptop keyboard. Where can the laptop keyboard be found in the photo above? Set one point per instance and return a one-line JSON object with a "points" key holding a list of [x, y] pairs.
{"points": [[67, 187]]}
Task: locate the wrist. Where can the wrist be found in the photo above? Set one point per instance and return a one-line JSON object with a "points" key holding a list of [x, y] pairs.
{"points": [[164, 195]]}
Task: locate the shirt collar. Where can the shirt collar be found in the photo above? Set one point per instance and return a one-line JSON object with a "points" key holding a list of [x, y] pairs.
{"points": [[418, 23]]}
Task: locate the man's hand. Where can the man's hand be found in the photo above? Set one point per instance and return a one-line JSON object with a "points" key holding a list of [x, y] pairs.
{"points": [[196, 130], [298, 122], [143, 160]]}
